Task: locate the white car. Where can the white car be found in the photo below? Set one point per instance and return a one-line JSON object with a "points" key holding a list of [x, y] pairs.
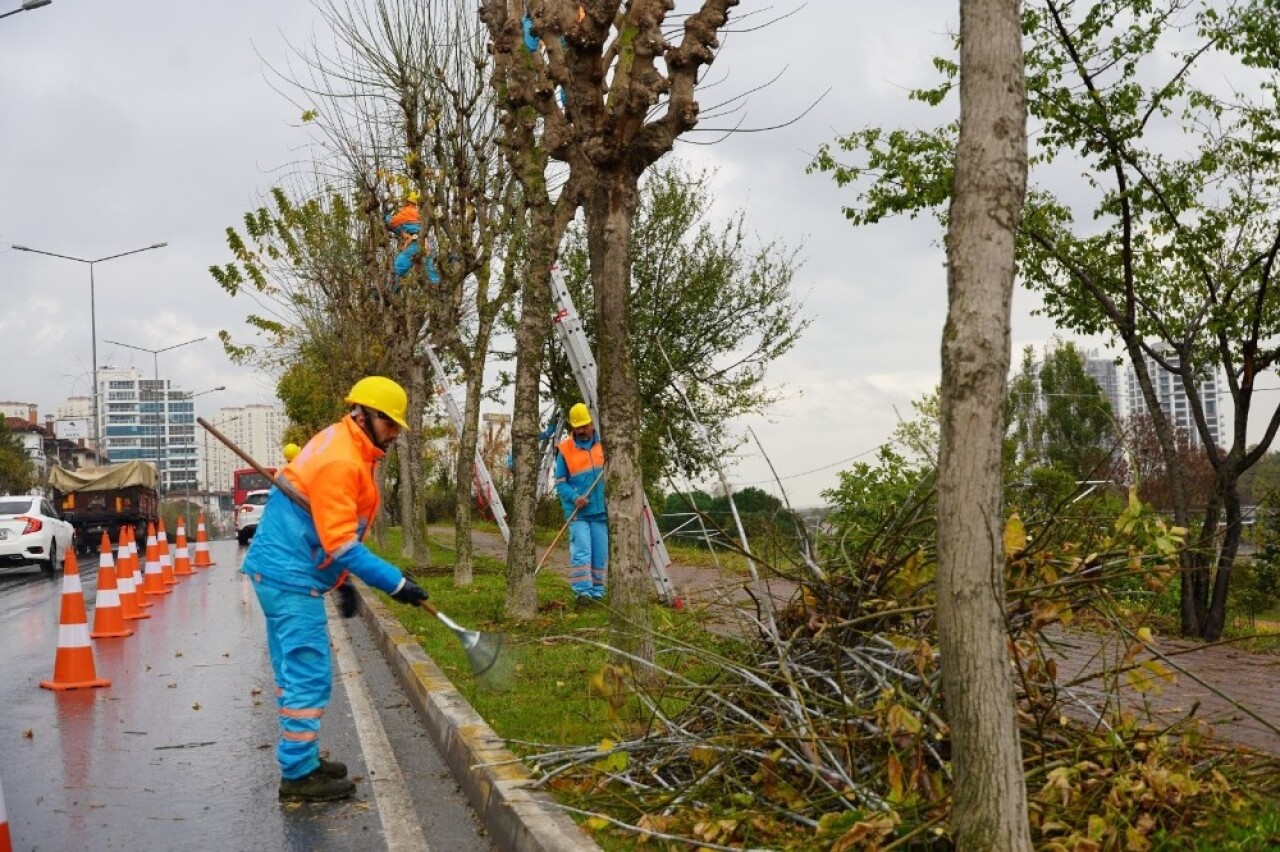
{"points": [[249, 513], [31, 530]]}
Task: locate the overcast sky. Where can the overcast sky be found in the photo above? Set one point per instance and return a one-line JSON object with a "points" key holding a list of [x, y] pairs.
{"points": [[140, 121]]}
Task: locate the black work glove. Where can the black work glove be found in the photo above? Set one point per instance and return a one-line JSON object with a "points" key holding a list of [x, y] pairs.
{"points": [[347, 600], [409, 593]]}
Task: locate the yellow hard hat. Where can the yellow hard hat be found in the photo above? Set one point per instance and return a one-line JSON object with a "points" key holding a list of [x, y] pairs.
{"points": [[291, 451], [579, 415], [412, 196], [380, 394]]}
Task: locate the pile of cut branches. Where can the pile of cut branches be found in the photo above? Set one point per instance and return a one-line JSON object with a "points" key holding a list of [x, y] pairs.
{"points": [[830, 731]]}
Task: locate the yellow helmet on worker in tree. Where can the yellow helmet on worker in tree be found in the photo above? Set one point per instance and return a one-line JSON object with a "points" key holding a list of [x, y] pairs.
{"points": [[380, 394], [291, 451], [412, 196], [579, 415]]}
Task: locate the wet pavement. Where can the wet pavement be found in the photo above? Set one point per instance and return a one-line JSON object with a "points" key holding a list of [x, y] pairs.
{"points": [[179, 751]]}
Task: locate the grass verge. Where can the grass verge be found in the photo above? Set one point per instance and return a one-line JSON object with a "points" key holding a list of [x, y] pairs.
{"points": [[561, 692]]}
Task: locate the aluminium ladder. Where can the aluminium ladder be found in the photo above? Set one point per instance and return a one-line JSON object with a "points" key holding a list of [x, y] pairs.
{"points": [[483, 481], [547, 465], [568, 326]]}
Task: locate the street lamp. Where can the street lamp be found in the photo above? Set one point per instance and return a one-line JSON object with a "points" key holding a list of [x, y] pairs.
{"points": [[163, 423], [27, 6], [93, 311], [221, 424], [186, 488]]}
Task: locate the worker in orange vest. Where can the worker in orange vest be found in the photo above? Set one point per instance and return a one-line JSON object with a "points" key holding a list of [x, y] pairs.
{"points": [[406, 224], [580, 485]]}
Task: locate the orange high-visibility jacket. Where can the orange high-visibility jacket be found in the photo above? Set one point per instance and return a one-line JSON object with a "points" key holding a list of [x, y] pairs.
{"points": [[408, 219], [291, 549], [578, 469]]}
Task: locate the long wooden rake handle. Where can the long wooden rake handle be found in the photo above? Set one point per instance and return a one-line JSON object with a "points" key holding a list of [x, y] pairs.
{"points": [[289, 491], [552, 545], [565, 526]]}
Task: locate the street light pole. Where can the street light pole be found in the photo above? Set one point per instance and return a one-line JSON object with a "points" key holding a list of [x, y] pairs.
{"points": [[93, 311], [27, 6], [162, 426], [186, 490], [221, 467]]}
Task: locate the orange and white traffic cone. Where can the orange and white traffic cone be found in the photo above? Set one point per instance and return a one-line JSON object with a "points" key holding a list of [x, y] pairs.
{"points": [[136, 564], [129, 590], [203, 560], [166, 559], [73, 664], [6, 842], [152, 578], [181, 559], [108, 616]]}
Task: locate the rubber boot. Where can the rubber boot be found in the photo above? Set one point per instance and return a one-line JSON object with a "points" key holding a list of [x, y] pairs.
{"points": [[315, 788]]}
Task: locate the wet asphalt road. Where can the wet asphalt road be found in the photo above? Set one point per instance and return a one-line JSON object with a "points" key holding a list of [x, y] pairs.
{"points": [[178, 753]]}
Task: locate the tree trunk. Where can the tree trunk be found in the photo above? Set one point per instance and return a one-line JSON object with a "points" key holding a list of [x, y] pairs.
{"points": [[531, 339], [385, 518], [990, 808], [1227, 490], [413, 528], [464, 481], [1192, 586], [610, 208]]}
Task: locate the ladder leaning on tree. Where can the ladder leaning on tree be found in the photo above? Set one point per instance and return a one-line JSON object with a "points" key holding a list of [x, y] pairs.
{"points": [[483, 483]]}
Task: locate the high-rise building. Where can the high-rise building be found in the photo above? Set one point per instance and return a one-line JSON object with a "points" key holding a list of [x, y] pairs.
{"points": [[1172, 395], [256, 429], [1103, 370], [148, 420]]}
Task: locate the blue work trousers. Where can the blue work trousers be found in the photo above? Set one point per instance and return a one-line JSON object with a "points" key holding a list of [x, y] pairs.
{"points": [[588, 556], [298, 640], [404, 262]]}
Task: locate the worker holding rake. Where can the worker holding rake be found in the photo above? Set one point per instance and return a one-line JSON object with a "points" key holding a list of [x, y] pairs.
{"points": [[297, 555], [579, 474]]}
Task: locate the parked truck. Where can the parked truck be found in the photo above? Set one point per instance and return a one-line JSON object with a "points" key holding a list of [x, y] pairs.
{"points": [[104, 499]]}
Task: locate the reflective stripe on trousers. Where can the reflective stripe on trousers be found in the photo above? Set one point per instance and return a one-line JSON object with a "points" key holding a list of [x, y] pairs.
{"points": [[298, 641], [588, 549]]}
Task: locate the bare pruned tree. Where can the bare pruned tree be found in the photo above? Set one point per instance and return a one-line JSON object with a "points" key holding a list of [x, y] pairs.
{"points": [[613, 94], [403, 106]]}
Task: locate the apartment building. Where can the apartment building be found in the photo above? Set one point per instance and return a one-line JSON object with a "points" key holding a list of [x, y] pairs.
{"points": [[148, 420], [257, 429]]}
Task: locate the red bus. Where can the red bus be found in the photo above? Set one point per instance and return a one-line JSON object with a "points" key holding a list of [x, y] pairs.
{"points": [[247, 479]]}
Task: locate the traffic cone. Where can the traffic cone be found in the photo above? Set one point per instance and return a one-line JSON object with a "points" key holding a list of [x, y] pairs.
{"points": [[166, 560], [152, 578], [73, 663], [136, 565], [202, 546], [181, 559], [129, 591], [6, 842], [108, 615]]}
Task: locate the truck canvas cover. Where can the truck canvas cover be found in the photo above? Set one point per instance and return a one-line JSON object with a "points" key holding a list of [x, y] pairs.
{"points": [[105, 478]]}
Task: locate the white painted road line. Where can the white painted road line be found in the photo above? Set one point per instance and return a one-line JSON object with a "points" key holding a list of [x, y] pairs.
{"points": [[401, 828]]}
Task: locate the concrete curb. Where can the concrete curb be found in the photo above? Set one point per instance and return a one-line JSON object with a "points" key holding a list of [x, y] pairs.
{"points": [[494, 780]]}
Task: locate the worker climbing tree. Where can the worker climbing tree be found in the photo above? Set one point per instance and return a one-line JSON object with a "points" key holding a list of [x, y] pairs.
{"points": [[406, 225]]}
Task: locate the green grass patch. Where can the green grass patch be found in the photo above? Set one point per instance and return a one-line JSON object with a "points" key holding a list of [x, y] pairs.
{"points": [[1249, 830], [561, 692]]}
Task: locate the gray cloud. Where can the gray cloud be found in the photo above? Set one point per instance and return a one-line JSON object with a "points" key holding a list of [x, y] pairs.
{"points": [[128, 124]]}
